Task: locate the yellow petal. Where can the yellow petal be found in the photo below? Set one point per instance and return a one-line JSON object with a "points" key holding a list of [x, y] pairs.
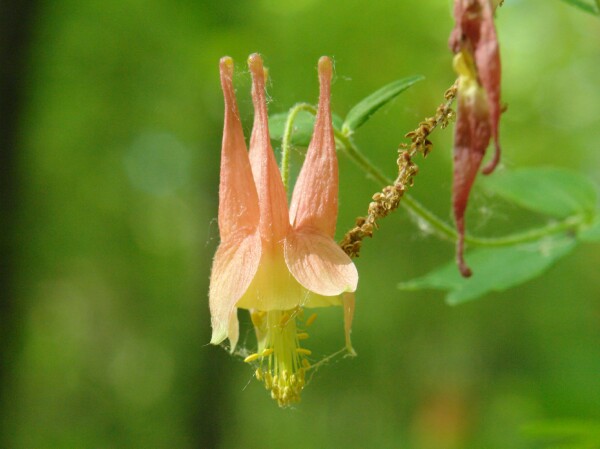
{"points": [[273, 287]]}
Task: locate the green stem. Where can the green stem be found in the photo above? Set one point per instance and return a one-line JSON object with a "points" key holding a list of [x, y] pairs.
{"points": [[414, 207], [568, 224], [439, 226], [286, 143], [444, 230], [436, 224], [360, 159]]}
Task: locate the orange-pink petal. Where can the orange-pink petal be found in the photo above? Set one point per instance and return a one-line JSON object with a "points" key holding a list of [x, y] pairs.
{"points": [[487, 59], [238, 201], [319, 264], [471, 138], [475, 33], [274, 221], [314, 203], [234, 267]]}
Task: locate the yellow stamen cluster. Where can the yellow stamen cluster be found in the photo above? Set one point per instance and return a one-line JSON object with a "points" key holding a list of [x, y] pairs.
{"points": [[282, 363]]}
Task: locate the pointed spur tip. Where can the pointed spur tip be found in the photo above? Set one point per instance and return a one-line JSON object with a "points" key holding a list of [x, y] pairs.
{"points": [[325, 74], [491, 166], [325, 65], [226, 64], [464, 269], [226, 73], [258, 72], [255, 63], [226, 61]]}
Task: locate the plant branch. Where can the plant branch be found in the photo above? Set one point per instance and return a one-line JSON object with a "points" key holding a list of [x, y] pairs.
{"points": [[393, 193], [437, 225]]}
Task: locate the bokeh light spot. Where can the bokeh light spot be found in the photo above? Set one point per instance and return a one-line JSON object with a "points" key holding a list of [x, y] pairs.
{"points": [[158, 163]]}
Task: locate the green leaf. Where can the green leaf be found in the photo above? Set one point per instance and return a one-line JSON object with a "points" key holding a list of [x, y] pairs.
{"points": [[590, 6], [552, 191], [592, 233], [495, 269], [563, 428], [303, 127], [565, 434], [363, 110]]}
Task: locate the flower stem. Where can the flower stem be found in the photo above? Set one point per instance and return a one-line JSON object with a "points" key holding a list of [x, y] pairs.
{"points": [[286, 143], [360, 159], [444, 230], [437, 225]]}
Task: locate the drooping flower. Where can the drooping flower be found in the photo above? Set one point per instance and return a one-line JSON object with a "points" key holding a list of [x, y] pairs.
{"points": [[477, 62], [272, 261]]}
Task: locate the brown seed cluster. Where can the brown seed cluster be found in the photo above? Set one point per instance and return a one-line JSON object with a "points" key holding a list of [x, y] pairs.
{"points": [[388, 199]]}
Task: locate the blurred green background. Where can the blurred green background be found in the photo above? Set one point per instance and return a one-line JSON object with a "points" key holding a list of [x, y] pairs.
{"points": [[111, 135]]}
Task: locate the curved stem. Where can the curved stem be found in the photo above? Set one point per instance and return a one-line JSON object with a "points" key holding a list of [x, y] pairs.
{"points": [[286, 142], [360, 159], [439, 226], [435, 223], [446, 231]]}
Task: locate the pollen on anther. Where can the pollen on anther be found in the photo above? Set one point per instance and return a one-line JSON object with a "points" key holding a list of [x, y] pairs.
{"points": [[251, 358], [303, 351], [302, 336], [257, 318], [311, 319], [267, 352]]}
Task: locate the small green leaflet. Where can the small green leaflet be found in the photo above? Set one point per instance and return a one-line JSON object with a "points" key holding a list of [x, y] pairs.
{"points": [[358, 115], [590, 6], [303, 127], [552, 191], [363, 110], [495, 269]]}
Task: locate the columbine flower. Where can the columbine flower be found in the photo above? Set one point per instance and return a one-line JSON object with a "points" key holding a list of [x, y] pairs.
{"points": [[477, 62], [271, 261]]}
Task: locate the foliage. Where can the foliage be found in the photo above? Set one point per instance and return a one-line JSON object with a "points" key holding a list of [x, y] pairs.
{"points": [[503, 262], [112, 263], [590, 6], [363, 110], [511, 261]]}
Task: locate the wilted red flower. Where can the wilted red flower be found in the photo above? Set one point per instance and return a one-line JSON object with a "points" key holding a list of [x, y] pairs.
{"points": [[271, 261], [477, 63]]}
